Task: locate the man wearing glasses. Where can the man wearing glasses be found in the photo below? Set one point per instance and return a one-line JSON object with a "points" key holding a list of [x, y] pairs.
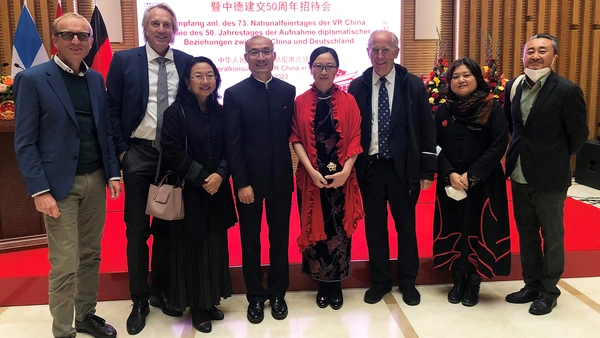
{"points": [[141, 83], [258, 115], [65, 150], [398, 139]]}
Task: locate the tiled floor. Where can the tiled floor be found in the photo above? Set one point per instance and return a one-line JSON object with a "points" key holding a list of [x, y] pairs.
{"points": [[577, 314]]}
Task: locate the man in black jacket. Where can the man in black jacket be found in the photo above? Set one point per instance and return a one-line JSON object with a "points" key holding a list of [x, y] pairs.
{"points": [[258, 117], [398, 138], [547, 120]]}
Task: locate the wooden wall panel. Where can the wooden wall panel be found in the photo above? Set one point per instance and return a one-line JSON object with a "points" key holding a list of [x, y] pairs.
{"points": [[576, 24], [418, 55]]}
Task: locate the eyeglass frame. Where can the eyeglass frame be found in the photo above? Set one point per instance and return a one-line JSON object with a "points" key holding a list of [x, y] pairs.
{"points": [[383, 51], [207, 78], [253, 53], [89, 35], [328, 68]]}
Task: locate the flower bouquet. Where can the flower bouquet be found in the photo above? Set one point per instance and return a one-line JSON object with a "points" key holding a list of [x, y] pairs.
{"points": [[7, 106]]}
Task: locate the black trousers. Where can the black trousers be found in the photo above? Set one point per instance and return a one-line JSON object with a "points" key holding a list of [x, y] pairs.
{"points": [[537, 210], [382, 185], [139, 168], [278, 219]]}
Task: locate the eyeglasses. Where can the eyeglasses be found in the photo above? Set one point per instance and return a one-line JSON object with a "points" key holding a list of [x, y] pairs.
{"points": [[384, 51], [265, 52], [208, 78], [68, 36], [328, 68]]}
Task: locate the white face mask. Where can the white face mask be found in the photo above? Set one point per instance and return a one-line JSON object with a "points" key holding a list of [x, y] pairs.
{"points": [[536, 74]]}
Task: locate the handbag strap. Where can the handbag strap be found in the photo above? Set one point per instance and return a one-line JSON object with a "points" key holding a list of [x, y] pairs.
{"points": [[160, 153]]}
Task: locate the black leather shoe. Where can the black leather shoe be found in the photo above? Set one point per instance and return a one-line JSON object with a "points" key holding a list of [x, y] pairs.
{"points": [[322, 301], [137, 319], [201, 320], [471, 296], [279, 309], [525, 295], [256, 312], [96, 327], [215, 314], [161, 301], [376, 293], [410, 295], [542, 305]]}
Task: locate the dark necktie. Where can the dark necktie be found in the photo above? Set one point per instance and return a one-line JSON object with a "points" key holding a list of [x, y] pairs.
{"points": [[383, 120], [162, 98]]}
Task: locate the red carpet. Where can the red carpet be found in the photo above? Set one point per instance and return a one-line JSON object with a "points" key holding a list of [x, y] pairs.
{"points": [[582, 223]]}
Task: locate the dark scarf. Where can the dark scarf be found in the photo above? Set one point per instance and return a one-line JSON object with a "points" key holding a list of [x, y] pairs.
{"points": [[474, 109]]}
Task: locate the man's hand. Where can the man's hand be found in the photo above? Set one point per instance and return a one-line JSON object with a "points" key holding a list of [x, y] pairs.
{"points": [[426, 184], [121, 156], [46, 204], [213, 182], [246, 195], [115, 189]]}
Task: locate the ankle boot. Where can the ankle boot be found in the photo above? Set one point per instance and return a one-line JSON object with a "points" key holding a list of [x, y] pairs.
{"points": [[337, 298], [457, 293], [471, 297], [323, 295]]}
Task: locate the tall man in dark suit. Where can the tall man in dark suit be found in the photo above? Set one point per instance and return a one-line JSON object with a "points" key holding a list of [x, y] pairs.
{"points": [[547, 120], [258, 116], [398, 138], [141, 83], [65, 150]]}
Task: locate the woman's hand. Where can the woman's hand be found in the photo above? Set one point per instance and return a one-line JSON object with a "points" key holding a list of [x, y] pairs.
{"points": [[213, 182], [456, 181], [317, 178], [338, 179]]}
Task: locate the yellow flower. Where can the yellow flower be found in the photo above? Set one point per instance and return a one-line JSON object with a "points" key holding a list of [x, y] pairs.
{"points": [[430, 82], [500, 88], [485, 69], [435, 90], [431, 100], [437, 81], [496, 96], [443, 101]]}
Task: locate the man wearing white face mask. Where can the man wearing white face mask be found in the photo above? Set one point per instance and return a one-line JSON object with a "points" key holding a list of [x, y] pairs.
{"points": [[547, 122]]}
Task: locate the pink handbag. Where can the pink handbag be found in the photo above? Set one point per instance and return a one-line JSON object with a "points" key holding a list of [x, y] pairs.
{"points": [[165, 201]]}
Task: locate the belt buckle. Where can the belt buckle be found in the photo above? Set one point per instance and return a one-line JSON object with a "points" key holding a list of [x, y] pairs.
{"points": [[153, 143]]}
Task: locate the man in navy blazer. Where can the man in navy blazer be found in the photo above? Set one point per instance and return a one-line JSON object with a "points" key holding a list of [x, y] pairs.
{"points": [[396, 177], [136, 107], [547, 120], [65, 150]]}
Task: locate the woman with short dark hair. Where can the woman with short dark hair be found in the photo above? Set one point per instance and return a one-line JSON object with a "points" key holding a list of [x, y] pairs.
{"points": [[471, 229]]}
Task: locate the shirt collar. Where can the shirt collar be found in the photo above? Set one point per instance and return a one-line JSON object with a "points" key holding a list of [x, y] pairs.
{"points": [[265, 82], [68, 69], [152, 54], [390, 77]]}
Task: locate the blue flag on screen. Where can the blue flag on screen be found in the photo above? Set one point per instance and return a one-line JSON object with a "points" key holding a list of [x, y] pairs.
{"points": [[28, 49]]}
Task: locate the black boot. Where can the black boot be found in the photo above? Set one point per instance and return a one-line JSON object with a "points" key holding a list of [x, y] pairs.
{"points": [[323, 295], [471, 297], [337, 299], [457, 293]]}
